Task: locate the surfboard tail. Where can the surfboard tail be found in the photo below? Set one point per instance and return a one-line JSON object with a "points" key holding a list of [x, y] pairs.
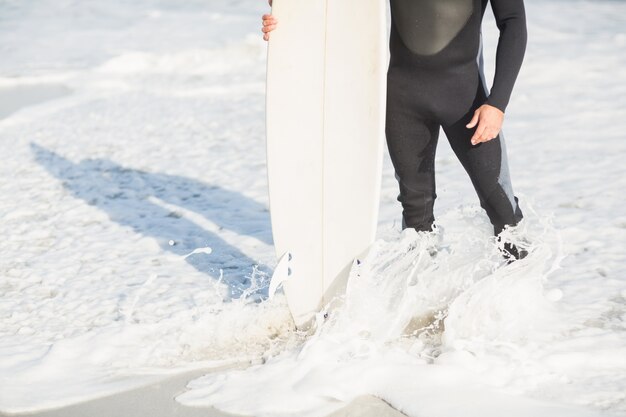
{"points": [[282, 273]]}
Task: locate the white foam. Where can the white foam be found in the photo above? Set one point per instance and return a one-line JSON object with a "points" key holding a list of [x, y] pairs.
{"points": [[388, 338], [162, 139]]}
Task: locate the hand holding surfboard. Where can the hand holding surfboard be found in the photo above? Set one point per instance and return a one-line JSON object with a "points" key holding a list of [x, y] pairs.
{"points": [[269, 24]]}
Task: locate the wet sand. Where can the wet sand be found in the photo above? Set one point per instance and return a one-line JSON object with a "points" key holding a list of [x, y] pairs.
{"points": [[157, 400], [14, 98]]}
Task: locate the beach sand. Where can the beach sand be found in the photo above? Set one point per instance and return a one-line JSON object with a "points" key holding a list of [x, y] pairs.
{"points": [[157, 400], [14, 98]]}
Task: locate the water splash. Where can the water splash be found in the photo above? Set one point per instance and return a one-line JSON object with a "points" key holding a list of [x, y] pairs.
{"points": [[417, 299]]}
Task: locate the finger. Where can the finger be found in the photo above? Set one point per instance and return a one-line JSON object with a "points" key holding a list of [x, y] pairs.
{"points": [[267, 22], [266, 37], [268, 28], [489, 134], [474, 120], [478, 134], [484, 137], [495, 132]]}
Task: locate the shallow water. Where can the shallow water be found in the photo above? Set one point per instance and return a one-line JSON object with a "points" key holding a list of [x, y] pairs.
{"points": [[136, 240]]}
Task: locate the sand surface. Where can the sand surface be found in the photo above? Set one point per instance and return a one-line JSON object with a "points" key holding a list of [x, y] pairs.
{"points": [[157, 400]]}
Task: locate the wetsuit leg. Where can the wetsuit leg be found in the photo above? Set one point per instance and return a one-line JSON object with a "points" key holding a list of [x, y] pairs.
{"points": [[412, 142], [487, 167]]}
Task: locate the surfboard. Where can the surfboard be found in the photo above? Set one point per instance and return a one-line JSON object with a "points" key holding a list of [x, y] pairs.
{"points": [[325, 109]]}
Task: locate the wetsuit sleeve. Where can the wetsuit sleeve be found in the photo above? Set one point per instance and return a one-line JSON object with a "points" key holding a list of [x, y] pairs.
{"points": [[511, 20]]}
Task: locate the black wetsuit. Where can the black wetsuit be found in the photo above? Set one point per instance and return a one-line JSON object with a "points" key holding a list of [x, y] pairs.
{"points": [[435, 79]]}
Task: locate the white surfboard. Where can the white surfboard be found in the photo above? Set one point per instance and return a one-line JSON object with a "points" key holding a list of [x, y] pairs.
{"points": [[326, 84]]}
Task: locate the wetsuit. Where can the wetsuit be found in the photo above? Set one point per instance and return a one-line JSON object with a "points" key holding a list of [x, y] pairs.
{"points": [[435, 79]]}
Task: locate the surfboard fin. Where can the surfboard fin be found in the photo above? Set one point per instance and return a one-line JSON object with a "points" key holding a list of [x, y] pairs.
{"points": [[282, 273], [355, 269]]}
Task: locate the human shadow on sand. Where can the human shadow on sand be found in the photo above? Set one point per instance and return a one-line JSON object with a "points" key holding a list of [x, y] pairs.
{"points": [[128, 197]]}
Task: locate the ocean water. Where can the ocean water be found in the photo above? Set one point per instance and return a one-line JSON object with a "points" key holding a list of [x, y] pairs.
{"points": [[136, 240]]}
